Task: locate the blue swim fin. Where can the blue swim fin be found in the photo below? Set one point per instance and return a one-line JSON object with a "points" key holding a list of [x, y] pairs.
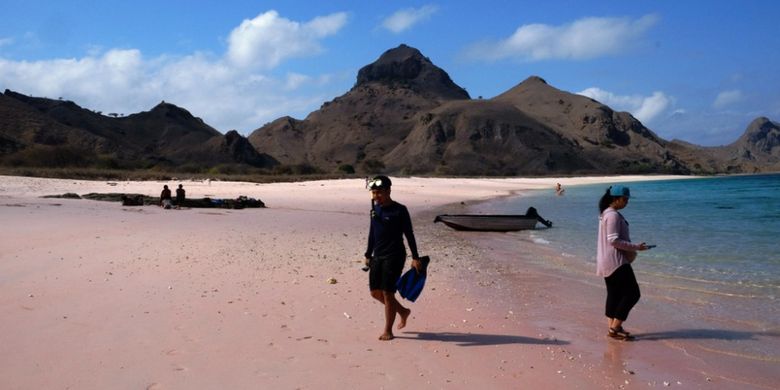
{"points": [[411, 284]]}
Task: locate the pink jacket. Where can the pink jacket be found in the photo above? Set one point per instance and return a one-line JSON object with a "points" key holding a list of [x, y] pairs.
{"points": [[614, 247]]}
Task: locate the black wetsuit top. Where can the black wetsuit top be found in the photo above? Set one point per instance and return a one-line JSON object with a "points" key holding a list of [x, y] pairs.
{"points": [[388, 226]]}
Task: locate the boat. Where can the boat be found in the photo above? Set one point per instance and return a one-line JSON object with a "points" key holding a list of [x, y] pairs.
{"points": [[493, 223]]}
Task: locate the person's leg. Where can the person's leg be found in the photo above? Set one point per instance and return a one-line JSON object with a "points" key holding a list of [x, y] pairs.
{"points": [[391, 269], [392, 306], [377, 294], [616, 300], [610, 307], [629, 294]]}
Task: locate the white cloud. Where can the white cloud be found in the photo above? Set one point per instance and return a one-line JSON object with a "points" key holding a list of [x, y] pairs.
{"points": [[269, 39], [727, 98], [227, 94], [404, 19], [644, 108], [6, 41], [99, 78], [583, 39], [295, 80]]}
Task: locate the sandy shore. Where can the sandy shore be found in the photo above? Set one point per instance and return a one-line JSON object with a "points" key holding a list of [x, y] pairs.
{"points": [[96, 295]]}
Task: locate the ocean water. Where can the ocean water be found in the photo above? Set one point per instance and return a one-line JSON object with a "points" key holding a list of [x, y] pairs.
{"points": [[717, 262]]}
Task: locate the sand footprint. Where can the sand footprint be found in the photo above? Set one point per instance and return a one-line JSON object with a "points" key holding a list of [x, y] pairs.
{"points": [[179, 367]]}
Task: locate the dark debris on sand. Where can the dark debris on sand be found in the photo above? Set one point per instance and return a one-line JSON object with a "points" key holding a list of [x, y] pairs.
{"points": [[142, 200]]}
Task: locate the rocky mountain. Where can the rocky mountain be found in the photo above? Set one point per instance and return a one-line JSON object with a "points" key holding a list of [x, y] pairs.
{"points": [[32, 128], [757, 150], [404, 115], [361, 127]]}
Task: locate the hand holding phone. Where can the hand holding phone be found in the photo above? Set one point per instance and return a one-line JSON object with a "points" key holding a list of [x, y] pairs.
{"points": [[650, 246]]}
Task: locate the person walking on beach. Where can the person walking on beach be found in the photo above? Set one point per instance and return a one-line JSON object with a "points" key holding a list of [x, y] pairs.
{"points": [[614, 256], [386, 254], [165, 198], [179, 196]]}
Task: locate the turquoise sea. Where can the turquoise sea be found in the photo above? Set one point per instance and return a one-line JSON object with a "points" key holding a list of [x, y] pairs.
{"points": [[717, 261]]}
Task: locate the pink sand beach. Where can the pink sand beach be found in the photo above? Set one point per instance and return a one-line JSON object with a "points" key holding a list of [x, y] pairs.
{"points": [[96, 295]]}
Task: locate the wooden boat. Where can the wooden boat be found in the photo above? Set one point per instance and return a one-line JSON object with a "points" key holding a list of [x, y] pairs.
{"points": [[493, 223]]}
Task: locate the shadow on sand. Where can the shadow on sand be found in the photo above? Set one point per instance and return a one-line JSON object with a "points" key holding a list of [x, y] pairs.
{"points": [[476, 339], [704, 334]]}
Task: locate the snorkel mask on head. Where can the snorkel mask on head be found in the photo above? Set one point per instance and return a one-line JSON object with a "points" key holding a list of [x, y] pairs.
{"points": [[380, 182]]}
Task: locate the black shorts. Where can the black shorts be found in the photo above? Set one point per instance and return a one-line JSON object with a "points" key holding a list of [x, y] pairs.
{"points": [[385, 272]]}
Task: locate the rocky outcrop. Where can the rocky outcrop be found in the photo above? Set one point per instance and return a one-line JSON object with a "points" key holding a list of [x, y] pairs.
{"points": [[405, 67], [761, 138]]}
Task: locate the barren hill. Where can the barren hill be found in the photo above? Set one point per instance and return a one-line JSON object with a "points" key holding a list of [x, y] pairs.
{"points": [[33, 131], [360, 127], [403, 115], [757, 150]]}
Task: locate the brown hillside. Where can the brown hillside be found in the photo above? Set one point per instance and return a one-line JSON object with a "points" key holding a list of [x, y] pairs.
{"points": [[31, 129], [362, 126], [403, 115]]}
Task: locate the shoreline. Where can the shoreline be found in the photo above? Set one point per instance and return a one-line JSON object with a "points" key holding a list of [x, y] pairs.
{"points": [[157, 298], [670, 339]]}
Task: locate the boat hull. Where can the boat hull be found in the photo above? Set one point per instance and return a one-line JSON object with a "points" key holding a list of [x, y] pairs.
{"points": [[488, 223]]}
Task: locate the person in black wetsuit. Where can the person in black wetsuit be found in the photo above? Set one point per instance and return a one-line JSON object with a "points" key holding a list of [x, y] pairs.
{"points": [[180, 195], [386, 254]]}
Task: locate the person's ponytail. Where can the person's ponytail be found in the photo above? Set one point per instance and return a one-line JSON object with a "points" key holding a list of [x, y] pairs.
{"points": [[605, 200]]}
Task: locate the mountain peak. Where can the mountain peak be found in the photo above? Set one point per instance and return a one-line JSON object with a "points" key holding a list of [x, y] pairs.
{"points": [[164, 106], [759, 122], [533, 84], [407, 67], [762, 134], [534, 80]]}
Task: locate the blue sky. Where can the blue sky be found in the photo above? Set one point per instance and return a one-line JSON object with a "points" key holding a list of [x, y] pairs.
{"points": [[699, 71]]}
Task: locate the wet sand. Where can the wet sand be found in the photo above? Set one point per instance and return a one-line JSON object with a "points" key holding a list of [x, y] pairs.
{"points": [[97, 295]]}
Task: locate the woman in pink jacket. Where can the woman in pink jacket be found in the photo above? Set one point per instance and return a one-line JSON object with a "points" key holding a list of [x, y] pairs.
{"points": [[614, 256]]}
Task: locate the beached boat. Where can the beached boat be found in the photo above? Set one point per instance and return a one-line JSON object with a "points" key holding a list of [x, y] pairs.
{"points": [[493, 223]]}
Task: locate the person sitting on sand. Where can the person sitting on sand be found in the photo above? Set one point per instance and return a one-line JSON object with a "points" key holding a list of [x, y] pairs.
{"points": [[179, 196], [165, 198], [614, 255], [386, 254]]}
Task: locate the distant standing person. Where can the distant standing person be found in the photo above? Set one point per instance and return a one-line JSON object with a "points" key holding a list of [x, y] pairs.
{"points": [[386, 254], [165, 198], [179, 196], [614, 256], [558, 189]]}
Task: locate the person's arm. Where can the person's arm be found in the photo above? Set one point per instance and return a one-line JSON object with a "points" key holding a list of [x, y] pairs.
{"points": [[409, 233], [613, 221]]}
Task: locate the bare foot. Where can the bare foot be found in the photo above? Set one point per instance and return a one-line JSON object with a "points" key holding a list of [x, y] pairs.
{"points": [[404, 315], [386, 336]]}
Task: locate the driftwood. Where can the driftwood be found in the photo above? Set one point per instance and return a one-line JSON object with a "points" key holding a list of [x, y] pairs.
{"points": [[143, 200]]}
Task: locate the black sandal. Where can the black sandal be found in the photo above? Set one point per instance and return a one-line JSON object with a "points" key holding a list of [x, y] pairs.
{"points": [[620, 334], [620, 329]]}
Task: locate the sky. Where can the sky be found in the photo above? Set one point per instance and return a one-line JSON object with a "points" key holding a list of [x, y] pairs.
{"points": [[698, 71]]}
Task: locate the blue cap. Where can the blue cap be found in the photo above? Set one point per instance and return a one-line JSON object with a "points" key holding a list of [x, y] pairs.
{"points": [[620, 191]]}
